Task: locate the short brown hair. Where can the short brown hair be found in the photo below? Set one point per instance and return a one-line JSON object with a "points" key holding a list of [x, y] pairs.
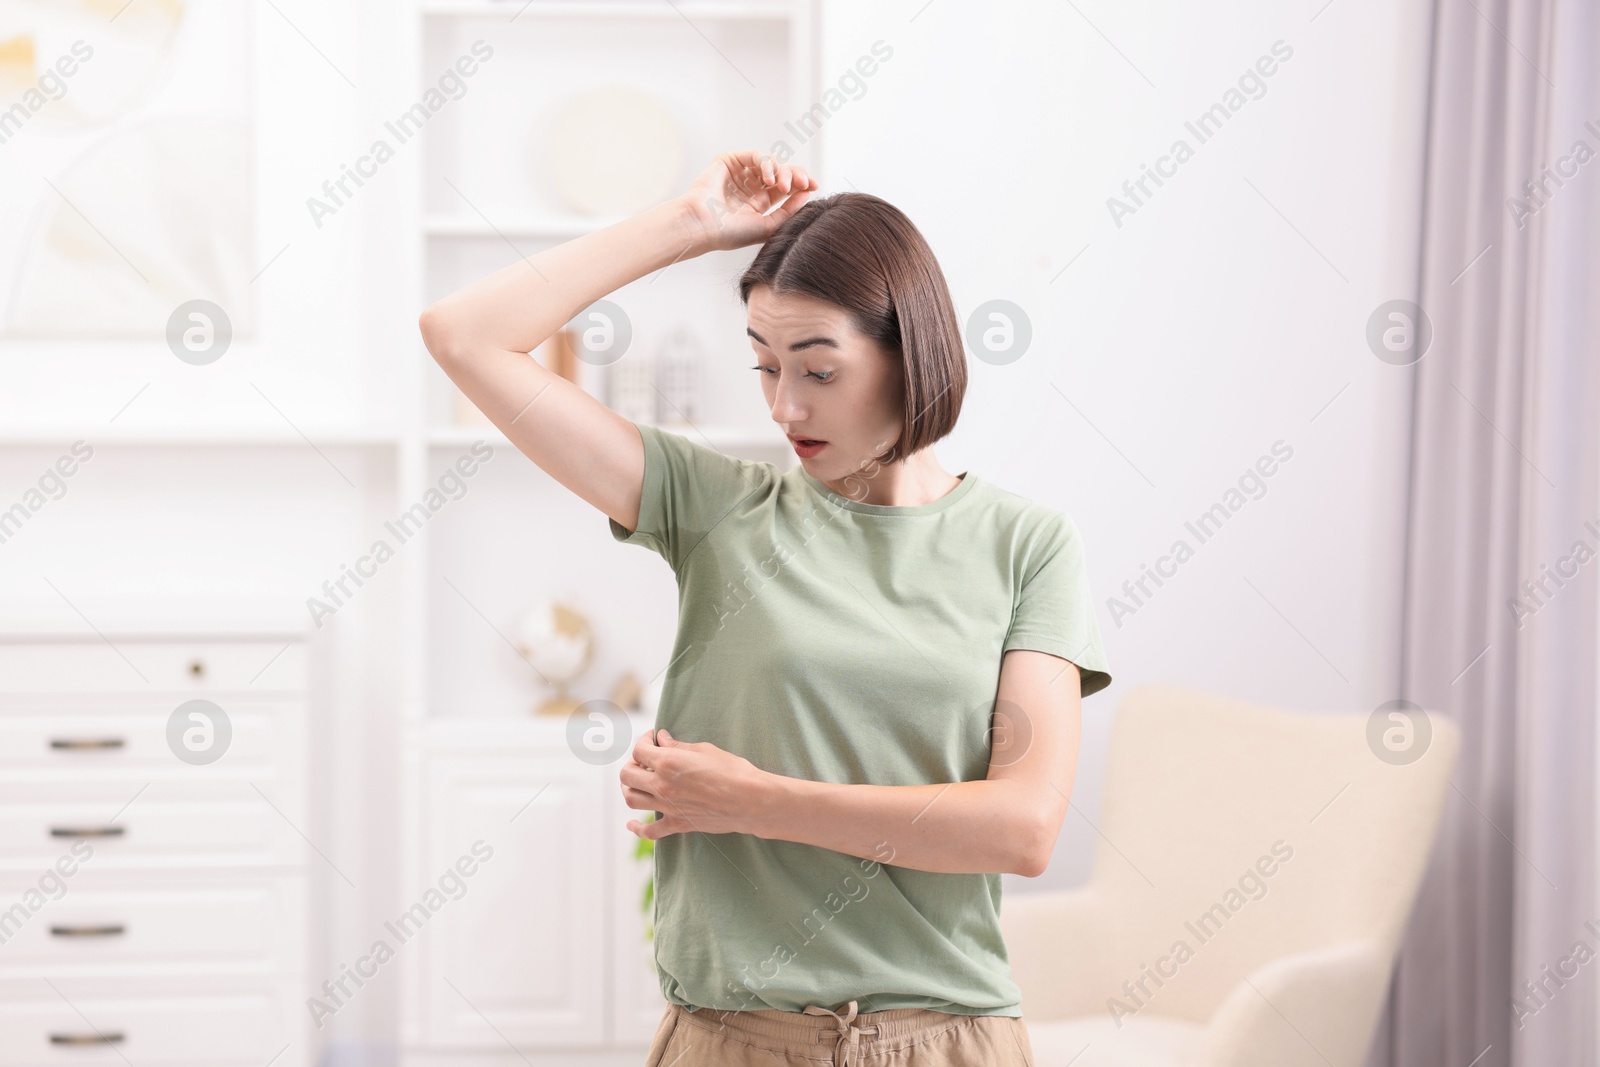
{"points": [[864, 255]]}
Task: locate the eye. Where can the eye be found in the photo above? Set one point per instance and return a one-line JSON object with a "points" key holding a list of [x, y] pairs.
{"points": [[823, 378]]}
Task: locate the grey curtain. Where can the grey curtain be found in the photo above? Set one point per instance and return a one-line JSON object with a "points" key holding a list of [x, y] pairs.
{"points": [[1499, 603]]}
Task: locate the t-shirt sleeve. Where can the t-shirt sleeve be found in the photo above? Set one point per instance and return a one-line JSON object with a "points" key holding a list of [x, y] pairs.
{"points": [[1055, 610], [688, 489]]}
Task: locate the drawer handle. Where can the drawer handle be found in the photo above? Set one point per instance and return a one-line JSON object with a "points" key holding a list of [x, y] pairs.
{"points": [[86, 1039], [87, 931], [197, 668], [78, 744], [86, 831]]}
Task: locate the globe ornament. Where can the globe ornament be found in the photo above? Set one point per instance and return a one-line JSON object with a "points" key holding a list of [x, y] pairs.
{"points": [[555, 638]]}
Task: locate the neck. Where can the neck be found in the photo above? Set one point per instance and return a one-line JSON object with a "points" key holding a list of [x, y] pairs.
{"points": [[917, 479]]}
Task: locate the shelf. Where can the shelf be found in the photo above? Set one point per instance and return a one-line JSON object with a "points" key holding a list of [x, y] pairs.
{"points": [[738, 10], [198, 436], [737, 438], [731, 72], [182, 438], [235, 617]]}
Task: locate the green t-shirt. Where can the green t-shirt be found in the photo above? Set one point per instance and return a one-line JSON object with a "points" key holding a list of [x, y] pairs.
{"points": [[836, 641]]}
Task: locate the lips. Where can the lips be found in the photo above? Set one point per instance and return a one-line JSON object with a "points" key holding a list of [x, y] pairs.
{"points": [[805, 447]]}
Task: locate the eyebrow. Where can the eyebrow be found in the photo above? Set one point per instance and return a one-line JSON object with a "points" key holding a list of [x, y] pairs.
{"points": [[809, 342]]}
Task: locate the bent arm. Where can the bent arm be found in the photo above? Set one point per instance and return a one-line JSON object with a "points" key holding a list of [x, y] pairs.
{"points": [[1008, 822], [958, 827], [481, 335]]}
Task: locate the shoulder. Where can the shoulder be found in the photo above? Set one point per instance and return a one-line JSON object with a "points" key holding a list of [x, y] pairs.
{"points": [[686, 452], [1032, 525]]}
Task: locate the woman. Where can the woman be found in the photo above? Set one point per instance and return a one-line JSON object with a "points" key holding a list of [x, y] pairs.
{"points": [[873, 704]]}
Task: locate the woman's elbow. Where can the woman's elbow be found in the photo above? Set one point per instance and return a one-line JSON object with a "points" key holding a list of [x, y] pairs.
{"points": [[1037, 843], [437, 333], [1031, 864]]}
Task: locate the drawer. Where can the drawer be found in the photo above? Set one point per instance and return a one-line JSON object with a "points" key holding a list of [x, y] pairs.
{"points": [[195, 1025], [81, 923], [167, 824], [92, 740], [144, 666]]}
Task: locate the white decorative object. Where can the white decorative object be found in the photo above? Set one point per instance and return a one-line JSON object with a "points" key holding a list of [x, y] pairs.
{"points": [[678, 379], [557, 641], [614, 151]]}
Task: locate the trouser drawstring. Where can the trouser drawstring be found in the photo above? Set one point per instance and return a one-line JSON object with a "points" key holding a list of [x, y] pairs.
{"points": [[848, 1050]]}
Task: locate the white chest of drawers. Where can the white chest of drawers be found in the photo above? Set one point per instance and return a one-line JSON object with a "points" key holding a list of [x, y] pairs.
{"points": [[153, 894]]}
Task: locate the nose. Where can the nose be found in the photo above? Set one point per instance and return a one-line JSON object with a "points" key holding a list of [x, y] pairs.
{"points": [[784, 408]]}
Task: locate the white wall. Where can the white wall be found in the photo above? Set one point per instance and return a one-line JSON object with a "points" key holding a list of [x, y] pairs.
{"points": [[1224, 315]]}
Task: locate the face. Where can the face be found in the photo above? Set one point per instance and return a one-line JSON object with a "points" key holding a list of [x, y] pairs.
{"points": [[825, 381]]}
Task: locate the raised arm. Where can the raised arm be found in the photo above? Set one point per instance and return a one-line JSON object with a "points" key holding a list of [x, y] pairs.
{"points": [[481, 335]]}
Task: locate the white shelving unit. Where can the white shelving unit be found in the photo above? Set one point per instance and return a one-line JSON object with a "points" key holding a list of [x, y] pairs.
{"points": [[734, 73], [737, 74], [549, 954]]}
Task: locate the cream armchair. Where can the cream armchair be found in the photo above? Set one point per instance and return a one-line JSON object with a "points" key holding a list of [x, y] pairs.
{"points": [[1254, 872]]}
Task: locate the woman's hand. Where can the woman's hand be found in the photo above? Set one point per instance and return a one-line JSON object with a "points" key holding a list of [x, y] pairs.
{"points": [[695, 786], [730, 199]]}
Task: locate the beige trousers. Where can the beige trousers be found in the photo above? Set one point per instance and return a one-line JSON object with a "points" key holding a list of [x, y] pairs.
{"points": [[899, 1037]]}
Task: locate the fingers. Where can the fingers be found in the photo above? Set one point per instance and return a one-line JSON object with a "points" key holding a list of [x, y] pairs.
{"points": [[633, 776], [640, 800], [798, 180], [745, 170], [794, 203], [665, 740], [785, 178], [644, 750], [755, 173], [747, 158], [659, 827], [652, 831]]}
